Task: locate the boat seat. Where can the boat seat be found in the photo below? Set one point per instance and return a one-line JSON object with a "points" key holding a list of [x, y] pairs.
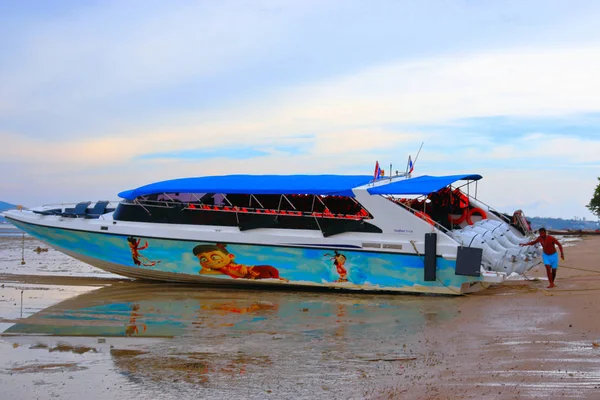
{"points": [[78, 211], [98, 210]]}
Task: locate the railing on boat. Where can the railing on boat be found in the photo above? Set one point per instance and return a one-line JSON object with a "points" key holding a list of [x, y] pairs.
{"points": [[323, 211]]}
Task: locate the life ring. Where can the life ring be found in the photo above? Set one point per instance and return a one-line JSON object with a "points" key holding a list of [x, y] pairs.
{"points": [[425, 217], [460, 219], [475, 210]]}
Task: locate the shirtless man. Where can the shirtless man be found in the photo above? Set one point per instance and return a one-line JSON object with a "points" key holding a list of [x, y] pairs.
{"points": [[549, 255]]}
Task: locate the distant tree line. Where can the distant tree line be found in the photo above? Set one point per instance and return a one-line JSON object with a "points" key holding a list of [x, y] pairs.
{"points": [[559, 223], [594, 205], [562, 224]]}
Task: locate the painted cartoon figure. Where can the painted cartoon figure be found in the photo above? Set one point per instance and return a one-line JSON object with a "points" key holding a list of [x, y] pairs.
{"points": [[339, 261], [138, 259], [215, 259]]}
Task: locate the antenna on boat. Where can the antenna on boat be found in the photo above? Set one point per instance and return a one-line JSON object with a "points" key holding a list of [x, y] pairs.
{"points": [[418, 152]]}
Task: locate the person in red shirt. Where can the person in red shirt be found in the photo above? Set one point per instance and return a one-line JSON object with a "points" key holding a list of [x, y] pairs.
{"points": [[549, 255]]}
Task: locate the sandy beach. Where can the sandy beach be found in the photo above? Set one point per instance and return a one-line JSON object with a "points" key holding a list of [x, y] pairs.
{"points": [[71, 331]]}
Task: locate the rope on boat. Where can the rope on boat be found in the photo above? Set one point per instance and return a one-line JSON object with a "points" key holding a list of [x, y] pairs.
{"points": [[528, 278], [580, 269], [572, 290], [436, 278]]}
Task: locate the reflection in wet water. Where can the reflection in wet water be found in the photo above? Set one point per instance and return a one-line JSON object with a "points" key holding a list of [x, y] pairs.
{"points": [[139, 310], [241, 344], [160, 341]]}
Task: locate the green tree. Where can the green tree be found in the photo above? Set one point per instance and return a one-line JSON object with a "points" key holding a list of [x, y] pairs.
{"points": [[594, 205]]}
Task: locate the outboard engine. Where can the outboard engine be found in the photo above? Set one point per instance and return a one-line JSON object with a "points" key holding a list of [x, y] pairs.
{"points": [[491, 259], [502, 229], [501, 250]]}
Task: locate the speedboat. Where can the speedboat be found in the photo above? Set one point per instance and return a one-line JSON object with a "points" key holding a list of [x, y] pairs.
{"points": [[424, 234]]}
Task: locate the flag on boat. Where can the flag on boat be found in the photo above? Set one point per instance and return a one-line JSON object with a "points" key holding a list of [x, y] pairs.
{"points": [[410, 165], [377, 169]]}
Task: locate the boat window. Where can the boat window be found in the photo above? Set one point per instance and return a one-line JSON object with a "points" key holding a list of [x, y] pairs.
{"points": [[239, 200], [151, 197], [269, 201], [219, 199], [329, 224], [302, 202], [187, 197], [164, 197], [294, 205]]}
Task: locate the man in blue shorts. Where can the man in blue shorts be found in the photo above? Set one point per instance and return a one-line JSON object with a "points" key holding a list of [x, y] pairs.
{"points": [[549, 255]]}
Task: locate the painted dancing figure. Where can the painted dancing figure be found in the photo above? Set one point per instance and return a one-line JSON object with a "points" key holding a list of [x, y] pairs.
{"points": [[339, 261], [139, 259]]}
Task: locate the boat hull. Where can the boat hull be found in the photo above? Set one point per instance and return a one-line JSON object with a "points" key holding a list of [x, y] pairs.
{"points": [[179, 260]]}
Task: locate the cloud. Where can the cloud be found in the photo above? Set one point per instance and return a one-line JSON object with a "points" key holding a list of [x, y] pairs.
{"points": [[86, 62], [207, 88], [547, 151], [517, 82], [376, 101], [65, 64], [557, 194]]}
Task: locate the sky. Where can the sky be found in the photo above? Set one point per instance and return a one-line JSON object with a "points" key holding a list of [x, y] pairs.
{"points": [[98, 97]]}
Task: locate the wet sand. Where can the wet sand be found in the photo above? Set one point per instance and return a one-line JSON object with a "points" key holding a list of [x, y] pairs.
{"points": [[71, 331]]}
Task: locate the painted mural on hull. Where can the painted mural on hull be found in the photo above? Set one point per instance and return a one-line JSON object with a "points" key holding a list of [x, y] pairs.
{"points": [[352, 268]]}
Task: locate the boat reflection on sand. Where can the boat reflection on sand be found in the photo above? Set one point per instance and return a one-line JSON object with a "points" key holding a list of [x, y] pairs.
{"points": [[215, 340], [141, 310]]}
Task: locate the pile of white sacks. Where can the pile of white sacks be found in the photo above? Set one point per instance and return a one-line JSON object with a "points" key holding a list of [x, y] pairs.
{"points": [[501, 250]]}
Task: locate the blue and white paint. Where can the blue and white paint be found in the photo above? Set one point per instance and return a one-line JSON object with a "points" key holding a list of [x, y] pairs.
{"points": [[293, 265]]}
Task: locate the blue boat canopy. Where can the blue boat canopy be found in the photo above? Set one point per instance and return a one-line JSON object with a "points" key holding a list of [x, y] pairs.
{"points": [[421, 185], [338, 185]]}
